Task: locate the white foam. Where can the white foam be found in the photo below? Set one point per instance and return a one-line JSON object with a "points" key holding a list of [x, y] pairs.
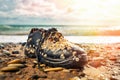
{"points": [[75, 39]]}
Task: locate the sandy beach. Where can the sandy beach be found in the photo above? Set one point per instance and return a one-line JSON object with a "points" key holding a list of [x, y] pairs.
{"points": [[68, 40], [103, 63]]}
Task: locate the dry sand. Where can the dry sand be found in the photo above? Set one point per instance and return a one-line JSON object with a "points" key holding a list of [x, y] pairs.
{"points": [[103, 64]]}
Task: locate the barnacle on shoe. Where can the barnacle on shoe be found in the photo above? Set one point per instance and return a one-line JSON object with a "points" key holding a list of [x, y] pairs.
{"points": [[53, 50]]}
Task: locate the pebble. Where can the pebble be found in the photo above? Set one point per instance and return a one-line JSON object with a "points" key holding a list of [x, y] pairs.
{"points": [[9, 69], [42, 76], [2, 46], [1, 54], [81, 74], [1, 73], [1, 61], [65, 70], [16, 61], [35, 76], [19, 72], [6, 52], [2, 77], [75, 78], [35, 62], [16, 65], [113, 78], [84, 78], [23, 44], [53, 69], [15, 52]]}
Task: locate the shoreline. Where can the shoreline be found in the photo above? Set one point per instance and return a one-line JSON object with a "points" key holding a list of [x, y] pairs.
{"points": [[74, 39]]}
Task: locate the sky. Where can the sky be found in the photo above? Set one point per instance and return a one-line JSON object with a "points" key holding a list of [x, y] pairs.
{"points": [[78, 12]]}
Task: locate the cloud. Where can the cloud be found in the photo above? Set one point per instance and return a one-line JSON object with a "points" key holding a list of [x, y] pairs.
{"points": [[67, 11], [40, 8]]}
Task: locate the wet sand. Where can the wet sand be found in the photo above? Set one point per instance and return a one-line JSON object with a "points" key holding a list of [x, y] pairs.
{"points": [[75, 39], [103, 64]]}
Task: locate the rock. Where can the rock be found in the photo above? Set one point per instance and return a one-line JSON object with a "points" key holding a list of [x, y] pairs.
{"points": [[75, 78], [1, 61], [81, 74], [15, 52], [113, 78], [42, 76], [1, 54], [15, 61], [35, 76], [53, 69], [23, 44], [1, 73], [16, 65], [2, 46], [6, 52], [2, 76], [35, 64], [9, 69], [19, 72], [66, 70], [84, 78], [93, 72]]}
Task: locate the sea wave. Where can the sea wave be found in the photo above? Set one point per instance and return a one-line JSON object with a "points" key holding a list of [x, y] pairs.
{"points": [[75, 39], [64, 29]]}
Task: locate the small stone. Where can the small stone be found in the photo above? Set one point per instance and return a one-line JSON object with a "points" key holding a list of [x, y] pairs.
{"points": [[35, 62], [53, 69], [6, 52], [75, 78], [2, 46], [1, 73], [1, 61], [113, 78], [9, 69], [84, 78], [15, 52], [2, 77], [1, 54], [35, 76], [16, 65], [81, 74], [66, 70], [112, 58], [19, 72], [23, 43], [16, 61], [42, 76]]}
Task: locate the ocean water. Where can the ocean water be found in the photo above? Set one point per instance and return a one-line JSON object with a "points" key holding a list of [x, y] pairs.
{"points": [[73, 33], [69, 30]]}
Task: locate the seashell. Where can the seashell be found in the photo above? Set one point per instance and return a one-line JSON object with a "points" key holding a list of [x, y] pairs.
{"points": [[16, 65], [15, 61], [9, 69], [53, 69]]}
